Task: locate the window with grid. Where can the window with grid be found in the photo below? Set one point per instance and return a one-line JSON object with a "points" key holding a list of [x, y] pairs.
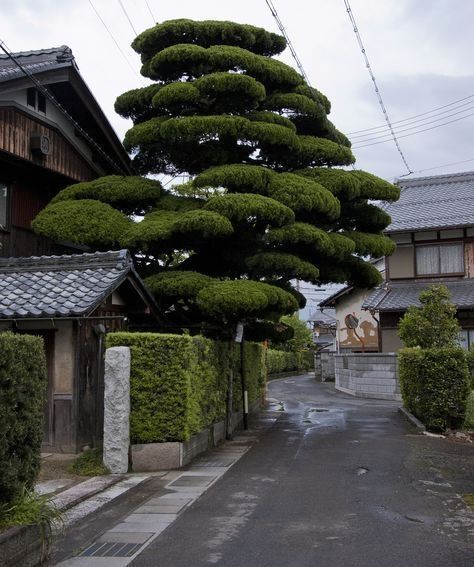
{"points": [[440, 259]]}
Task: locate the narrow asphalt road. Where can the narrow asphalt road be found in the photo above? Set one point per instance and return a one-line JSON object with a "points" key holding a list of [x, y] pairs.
{"points": [[336, 481]]}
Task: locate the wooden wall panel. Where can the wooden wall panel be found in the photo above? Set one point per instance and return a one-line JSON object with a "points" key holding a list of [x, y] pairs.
{"points": [[469, 259], [21, 242], [16, 130]]}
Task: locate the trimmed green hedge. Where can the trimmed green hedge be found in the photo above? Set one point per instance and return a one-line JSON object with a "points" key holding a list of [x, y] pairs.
{"points": [[469, 419], [179, 383], [282, 361], [470, 364], [434, 385], [22, 387]]}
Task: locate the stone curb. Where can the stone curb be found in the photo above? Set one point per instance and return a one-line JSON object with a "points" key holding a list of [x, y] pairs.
{"points": [[412, 419], [76, 494]]}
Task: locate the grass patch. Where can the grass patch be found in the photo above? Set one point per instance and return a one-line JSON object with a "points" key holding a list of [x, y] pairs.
{"points": [[469, 419], [89, 463], [29, 508], [469, 499]]}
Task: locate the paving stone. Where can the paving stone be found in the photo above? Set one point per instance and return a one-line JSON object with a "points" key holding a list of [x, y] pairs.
{"points": [[136, 527], [125, 537], [95, 562], [218, 464], [150, 518], [192, 480], [216, 470], [50, 486], [159, 509], [171, 498]]}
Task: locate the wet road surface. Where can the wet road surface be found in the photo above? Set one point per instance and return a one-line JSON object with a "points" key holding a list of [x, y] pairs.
{"points": [[336, 481]]}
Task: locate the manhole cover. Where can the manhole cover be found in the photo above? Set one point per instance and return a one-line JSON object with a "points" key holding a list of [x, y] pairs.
{"points": [[318, 410], [111, 549]]}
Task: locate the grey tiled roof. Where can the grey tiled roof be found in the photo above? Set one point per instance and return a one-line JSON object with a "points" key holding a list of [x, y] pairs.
{"points": [[35, 61], [326, 317], [399, 296], [59, 286], [442, 201]]}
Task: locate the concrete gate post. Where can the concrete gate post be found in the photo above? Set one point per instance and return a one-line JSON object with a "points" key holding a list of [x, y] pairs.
{"points": [[117, 409]]}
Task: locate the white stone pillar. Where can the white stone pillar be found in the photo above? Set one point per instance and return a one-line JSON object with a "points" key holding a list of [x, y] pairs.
{"points": [[117, 409]]}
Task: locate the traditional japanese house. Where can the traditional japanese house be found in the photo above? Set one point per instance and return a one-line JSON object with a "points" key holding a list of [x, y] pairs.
{"points": [[72, 302], [49, 140], [45, 147], [433, 227]]}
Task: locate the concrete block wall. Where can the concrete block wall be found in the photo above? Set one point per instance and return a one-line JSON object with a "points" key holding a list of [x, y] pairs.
{"points": [[368, 375], [328, 370], [324, 369]]}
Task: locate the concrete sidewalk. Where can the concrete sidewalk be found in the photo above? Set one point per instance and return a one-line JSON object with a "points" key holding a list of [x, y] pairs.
{"points": [[103, 531]]}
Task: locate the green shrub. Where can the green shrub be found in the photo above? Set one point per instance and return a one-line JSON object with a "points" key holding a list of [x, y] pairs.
{"points": [[432, 325], [470, 364], [22, 387], [255, 370], [434, 385], [30, 508], [90, 463], [282, 361], [179, 383], [469, 419]]}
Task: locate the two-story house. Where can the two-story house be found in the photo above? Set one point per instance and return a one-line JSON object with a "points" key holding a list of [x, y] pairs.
{"points": [[46, 145], [49, 140], [433, 228]]}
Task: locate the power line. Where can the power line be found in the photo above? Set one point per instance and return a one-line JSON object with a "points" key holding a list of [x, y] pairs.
{"points": [[423, 121], [444, 165], [377, 90], [379, 137], [151, 13], [116, 42], [383, 126], [60, 107], [128, 17], [418, 132], [288, 40]]}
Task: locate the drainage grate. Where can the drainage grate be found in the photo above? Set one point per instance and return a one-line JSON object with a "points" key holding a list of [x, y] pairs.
{"points": [[112, 549]]}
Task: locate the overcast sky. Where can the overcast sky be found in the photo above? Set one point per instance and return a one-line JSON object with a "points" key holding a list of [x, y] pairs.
{"points": [[421, 52]]}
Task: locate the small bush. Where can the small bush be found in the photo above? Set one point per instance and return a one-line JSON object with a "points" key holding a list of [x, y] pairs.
{"points": [[469, 419], [29, 508], [90, 463], [434, 385], [470, 364], [22, 387], [434, 324]]}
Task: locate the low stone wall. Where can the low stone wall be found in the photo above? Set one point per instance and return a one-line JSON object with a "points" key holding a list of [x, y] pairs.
{"points": [[369, 375], [23, 545], [149, 457]]}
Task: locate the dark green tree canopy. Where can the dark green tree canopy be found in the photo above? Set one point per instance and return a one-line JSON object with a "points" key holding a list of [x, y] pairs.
{"points": [[268, 200]]}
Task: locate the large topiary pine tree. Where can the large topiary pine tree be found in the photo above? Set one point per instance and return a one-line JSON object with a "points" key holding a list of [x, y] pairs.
{"points": [[268, 202]]}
